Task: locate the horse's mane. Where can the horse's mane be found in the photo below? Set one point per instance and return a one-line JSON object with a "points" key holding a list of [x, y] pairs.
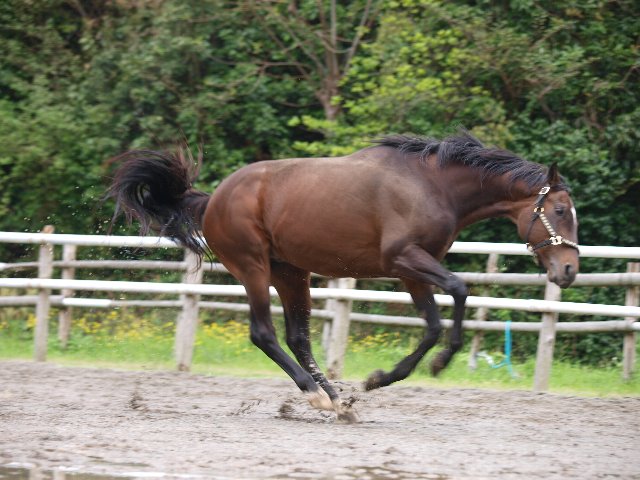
{"points": [[465, 149]]}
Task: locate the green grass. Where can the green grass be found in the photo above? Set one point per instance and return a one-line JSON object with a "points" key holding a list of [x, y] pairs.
{"points": [[224, 349], [565, 378]]}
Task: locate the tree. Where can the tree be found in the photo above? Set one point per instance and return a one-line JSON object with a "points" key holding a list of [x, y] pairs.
{"points": [[317, 40]]}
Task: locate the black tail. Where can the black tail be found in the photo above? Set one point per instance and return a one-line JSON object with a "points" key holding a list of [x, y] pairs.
{"points": [[155, 188]]}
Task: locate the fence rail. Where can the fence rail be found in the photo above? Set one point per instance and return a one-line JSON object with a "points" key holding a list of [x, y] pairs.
{"points": [[525, 305], [339, 296], [161, 242]]}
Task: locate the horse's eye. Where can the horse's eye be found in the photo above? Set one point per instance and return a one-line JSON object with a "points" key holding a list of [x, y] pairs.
{"points": [[560, 211]]}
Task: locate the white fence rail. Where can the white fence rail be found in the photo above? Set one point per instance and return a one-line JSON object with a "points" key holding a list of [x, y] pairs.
{"points": [[525, 305], [339, 299], [160, 242]]}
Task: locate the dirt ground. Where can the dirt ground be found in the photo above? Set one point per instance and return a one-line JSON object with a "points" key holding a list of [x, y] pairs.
{"points": [[144, 424]]}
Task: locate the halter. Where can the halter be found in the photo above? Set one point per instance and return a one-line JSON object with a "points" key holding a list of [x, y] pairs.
{"points": [[554, 239]]}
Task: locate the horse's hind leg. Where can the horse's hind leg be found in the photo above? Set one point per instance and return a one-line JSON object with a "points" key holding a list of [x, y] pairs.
{"points": [[263, 335], [292, 285]]}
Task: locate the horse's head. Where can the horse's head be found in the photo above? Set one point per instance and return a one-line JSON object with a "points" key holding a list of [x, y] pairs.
{"points": [[549, 226]]}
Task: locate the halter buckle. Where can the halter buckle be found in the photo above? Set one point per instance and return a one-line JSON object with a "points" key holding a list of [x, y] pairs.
{"points": [[538, 210], [557, 240], [544, 190]]}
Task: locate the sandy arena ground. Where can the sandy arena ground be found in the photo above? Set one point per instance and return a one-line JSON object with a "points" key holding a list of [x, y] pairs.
{"points": [[192, 426]]}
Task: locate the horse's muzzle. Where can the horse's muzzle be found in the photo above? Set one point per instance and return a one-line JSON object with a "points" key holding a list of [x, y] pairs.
{"points": [[562, 275]]}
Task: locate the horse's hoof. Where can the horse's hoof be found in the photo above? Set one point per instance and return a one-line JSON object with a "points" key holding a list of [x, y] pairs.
{"points": [[437, 365], [375, 380], [320, 400]]}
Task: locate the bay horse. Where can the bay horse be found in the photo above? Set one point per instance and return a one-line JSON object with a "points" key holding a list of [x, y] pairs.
{"points": [[392, 209]]}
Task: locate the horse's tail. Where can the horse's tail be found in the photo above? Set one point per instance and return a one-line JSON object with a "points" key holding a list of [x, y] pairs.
{"points": [[155, 188]]}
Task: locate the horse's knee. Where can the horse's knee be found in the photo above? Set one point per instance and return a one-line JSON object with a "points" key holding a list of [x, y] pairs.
{"points": [[457, 289]]}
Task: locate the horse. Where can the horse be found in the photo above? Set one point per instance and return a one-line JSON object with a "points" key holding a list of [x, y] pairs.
{"points": [[392, 209]]}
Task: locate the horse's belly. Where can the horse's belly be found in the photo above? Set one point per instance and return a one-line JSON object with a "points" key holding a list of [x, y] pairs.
{"points": [[331, 260]]}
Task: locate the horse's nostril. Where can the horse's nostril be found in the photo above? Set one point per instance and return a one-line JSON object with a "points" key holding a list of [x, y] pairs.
{"points": [[568, 270]]}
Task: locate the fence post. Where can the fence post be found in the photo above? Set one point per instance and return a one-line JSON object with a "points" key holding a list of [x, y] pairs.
{"points": [[187, 322], [632, 298], [45, 269], [326, 326], [64, 316], [481, 315], [546, 341], [339, 331]]}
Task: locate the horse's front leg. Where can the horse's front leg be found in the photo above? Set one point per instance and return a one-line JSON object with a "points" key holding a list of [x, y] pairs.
{"points": [[443, 357], [419, 270], [425, 303]]}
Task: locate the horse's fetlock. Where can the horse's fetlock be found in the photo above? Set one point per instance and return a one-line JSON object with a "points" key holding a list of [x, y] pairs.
{"points": [[456, 345]]}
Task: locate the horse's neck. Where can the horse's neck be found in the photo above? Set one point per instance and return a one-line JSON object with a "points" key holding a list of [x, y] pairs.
{"points": [[490, 198]]}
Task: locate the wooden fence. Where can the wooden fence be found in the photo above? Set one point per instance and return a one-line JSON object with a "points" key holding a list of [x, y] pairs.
{"points": [[339, 296]]}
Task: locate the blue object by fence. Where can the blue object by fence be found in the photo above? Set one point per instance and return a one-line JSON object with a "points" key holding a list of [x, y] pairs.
{"points": [[507, 350]]}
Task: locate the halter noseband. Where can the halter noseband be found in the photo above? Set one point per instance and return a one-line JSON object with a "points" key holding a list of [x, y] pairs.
{"points": [[554, 239]]}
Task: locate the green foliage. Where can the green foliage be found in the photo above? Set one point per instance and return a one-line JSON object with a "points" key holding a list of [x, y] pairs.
{"points": [[554, 81], [40, 125], [78, 87]]}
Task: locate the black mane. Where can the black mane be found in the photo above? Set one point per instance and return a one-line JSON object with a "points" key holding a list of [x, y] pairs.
{"points": [[465, 149]]}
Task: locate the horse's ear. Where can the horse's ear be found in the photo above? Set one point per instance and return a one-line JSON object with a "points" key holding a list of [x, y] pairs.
{"points": [[553, 177]]}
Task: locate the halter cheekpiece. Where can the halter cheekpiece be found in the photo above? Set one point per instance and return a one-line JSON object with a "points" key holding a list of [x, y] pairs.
{"points": [[554, 239]]}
